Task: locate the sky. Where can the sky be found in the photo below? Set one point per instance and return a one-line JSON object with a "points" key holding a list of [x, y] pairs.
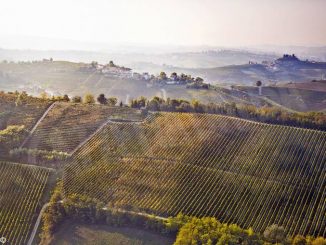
{"points": [[61, 24]]}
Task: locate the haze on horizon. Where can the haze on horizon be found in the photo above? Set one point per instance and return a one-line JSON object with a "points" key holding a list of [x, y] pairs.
{"points": [[44, 24]]}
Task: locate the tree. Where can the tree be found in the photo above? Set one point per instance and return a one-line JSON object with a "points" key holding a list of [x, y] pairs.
{"points": [[174, 76], [112, 101], [66, 98], [94, 64], [299, 240], [259, 84], [163, 75], [102, 100], [89, 99], [12, 135], [44, 95], [199, 80], [319, 241], [275, 233], [121, 104], [111, 64], [76, 99]]}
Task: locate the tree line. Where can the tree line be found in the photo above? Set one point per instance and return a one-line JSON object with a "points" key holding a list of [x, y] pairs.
{"points": [[274, 115], [186, 229], [266, 114]]}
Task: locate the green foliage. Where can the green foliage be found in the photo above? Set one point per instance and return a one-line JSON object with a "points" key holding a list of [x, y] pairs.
{"points": [[39, 155], [112, 101], [12, 135]]}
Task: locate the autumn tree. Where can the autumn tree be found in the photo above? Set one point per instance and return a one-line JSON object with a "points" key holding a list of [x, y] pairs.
{"points": [[112, 101], [89, 99]]}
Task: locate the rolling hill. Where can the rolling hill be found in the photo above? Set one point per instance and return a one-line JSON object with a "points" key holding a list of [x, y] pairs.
{"points": [[67, 125], [239, 171]]}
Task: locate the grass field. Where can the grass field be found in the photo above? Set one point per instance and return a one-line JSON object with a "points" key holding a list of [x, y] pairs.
{"points": [[238, 171], [79, 234], [21, 191], [67, 125]]}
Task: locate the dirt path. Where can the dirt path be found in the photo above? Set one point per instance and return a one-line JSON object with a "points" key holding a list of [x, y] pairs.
{"points": [[36, 125], [38, 221]]}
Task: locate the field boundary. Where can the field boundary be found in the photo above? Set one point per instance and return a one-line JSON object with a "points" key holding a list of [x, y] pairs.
{"points": [[37, 123]]}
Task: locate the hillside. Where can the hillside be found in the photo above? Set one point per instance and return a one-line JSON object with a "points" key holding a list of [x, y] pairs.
{"points": [[67, 125], [315, 85], [297, 97], [21, 190], [25, 113], [288, 68], [239, 171], [62, 77]]}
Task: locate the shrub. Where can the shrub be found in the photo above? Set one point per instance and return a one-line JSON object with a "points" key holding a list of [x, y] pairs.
{"points": [[275, 233]]}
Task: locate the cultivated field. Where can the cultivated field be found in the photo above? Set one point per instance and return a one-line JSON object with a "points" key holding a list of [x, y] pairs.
{"points": [[26, 113], [239, 171], [67, 125], [21, 190]]}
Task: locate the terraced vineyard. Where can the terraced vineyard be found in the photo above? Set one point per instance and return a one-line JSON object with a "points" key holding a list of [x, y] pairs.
{"points": [[67, 125], [21, 188], [239, 171]]}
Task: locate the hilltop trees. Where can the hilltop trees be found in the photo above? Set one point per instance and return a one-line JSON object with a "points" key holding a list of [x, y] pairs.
{"points": [[44, 95], [163, 76], [102, 99], [21, 98], [138, 103], [89, 99], [112, 101], [66, 98], [76, 99]]}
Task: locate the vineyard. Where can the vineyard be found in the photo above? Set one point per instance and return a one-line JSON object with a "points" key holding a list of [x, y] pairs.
{"points": [[242, 172], [21, 190], [26, 113], [67, 125]]}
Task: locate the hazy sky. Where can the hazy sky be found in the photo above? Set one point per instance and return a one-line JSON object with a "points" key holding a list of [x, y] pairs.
{"points": [[177, 22]]}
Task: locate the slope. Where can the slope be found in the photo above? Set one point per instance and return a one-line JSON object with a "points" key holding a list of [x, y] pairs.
{"points": [[239, 171]]}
